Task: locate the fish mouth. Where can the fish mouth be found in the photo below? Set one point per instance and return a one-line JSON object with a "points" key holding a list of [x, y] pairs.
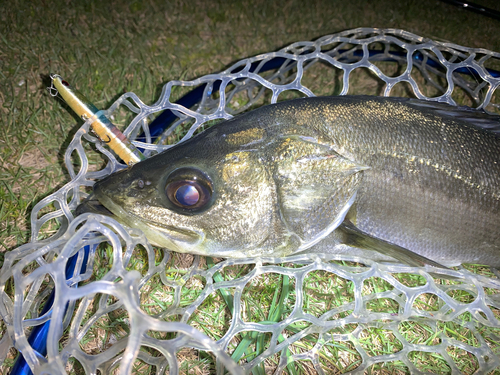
{"points": [[92, 205], [179, 239]]}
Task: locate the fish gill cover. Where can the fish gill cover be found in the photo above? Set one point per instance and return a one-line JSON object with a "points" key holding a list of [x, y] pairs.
{"points": [[328, 313]]}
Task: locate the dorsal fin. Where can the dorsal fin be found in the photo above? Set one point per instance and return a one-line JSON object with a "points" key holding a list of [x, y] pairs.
{"points": [[474, 117]]}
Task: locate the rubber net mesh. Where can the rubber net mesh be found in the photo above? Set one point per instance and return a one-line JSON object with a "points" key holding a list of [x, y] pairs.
{"points": [[129, 307]]}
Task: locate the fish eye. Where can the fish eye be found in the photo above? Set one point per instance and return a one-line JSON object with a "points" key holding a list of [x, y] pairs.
{"points": [[189, 188]]}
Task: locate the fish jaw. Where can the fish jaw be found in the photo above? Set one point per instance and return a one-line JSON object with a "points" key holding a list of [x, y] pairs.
{"points": [[172, 237], [179, 239]]}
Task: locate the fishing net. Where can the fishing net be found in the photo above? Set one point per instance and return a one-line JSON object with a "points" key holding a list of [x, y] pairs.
{"points": [[125, 306]]}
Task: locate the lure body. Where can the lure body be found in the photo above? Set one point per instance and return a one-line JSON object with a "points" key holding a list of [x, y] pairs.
{"points": [[104, 128]]}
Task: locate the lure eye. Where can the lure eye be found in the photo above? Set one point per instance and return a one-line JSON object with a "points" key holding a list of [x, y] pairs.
{"points": [[189, 188], [65, 83]]}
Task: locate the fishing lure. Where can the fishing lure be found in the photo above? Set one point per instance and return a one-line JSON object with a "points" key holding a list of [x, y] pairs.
{"points": [[104, 129]]}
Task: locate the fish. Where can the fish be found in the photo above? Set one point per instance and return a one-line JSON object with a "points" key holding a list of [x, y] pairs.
{"points": [[391, 179]]}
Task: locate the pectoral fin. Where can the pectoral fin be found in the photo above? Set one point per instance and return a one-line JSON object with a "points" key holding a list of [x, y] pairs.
{"points": [[355, 237], [316, 187]]}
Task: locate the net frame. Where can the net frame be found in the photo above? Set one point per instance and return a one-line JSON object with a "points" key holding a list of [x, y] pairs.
{"points": [[39, 265]]}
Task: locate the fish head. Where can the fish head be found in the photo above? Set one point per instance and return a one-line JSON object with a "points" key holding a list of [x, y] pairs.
{"points": [[210, 195], [230, 192]]}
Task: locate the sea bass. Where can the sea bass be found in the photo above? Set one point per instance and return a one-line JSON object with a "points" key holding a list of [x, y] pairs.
{"points": [[380, 177]]}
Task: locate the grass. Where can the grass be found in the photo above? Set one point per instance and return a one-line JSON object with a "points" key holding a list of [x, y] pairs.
{"points": [[108, 48]]}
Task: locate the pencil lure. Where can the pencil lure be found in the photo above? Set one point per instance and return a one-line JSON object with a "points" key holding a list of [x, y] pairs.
{"points": [[105, 130]]}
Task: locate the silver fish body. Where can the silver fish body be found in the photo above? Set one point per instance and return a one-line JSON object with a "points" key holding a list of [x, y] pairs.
{"points": [[319, 174]]}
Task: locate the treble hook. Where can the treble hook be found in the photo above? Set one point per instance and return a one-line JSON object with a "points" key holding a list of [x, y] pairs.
{"points": [[52, 90]]}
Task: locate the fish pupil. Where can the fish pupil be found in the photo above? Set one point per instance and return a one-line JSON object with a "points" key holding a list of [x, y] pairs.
{"points": [[187, 195]]}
